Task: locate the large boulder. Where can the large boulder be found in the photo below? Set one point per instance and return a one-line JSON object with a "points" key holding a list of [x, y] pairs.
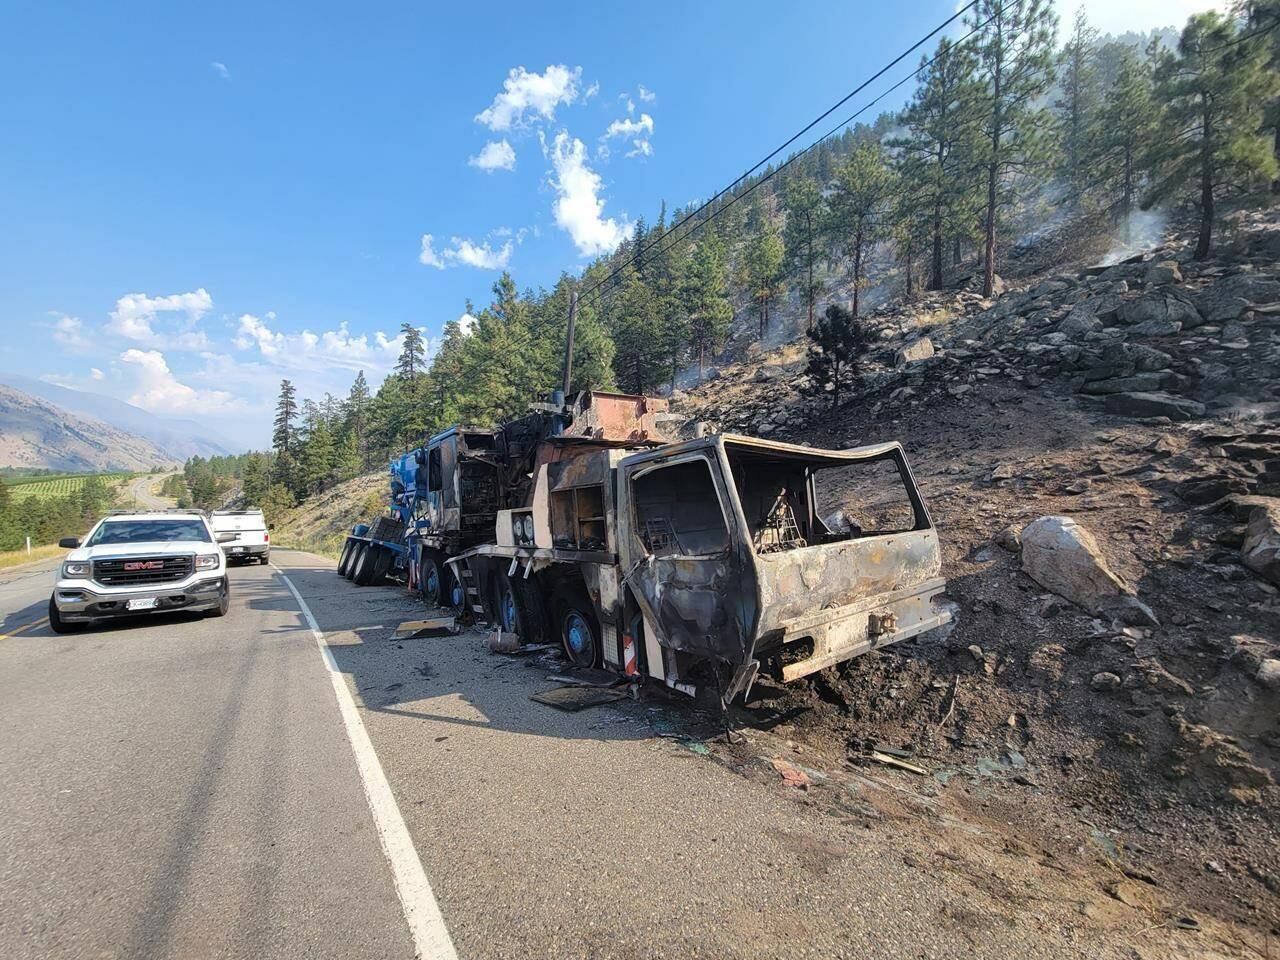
{"points": [[1261, 547], [1146, 405], [1229, 297], [1063, 557], [921, 349], [1165, 306]]}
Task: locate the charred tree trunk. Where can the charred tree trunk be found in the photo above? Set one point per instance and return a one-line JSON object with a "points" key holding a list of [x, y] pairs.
{"points": [[1126, 201], [935, 283], [857, 268], [1205, 241], [955, 250], [702, 357]]}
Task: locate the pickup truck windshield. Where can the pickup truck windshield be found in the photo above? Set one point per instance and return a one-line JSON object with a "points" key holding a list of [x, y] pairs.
{"points": [[148, 531]]}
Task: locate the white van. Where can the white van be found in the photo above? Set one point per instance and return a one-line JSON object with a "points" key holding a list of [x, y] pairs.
{"points": [[252, 541]]}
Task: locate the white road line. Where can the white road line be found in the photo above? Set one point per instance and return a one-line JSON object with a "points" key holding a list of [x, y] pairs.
{"points": [[430, 937]]}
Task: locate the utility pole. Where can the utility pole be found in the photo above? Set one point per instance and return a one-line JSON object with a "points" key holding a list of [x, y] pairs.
{"points": [[568, 341]]}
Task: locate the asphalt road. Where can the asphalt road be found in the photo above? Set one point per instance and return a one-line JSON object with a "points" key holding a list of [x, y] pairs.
{"points": [[142, 492], [186, 788]]}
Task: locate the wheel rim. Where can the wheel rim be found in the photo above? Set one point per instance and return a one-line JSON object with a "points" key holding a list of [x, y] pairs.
{"points": [[509, 619], [431, 582], [577, 635], [456, 595]]}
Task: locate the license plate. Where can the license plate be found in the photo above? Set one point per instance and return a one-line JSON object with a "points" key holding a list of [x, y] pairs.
{"points": [[237, 549], [146, 603]]}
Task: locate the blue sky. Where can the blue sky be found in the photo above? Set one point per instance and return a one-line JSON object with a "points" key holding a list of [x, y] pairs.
{"points": [[201, 199]]}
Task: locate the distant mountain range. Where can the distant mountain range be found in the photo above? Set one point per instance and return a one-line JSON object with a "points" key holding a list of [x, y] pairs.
{"points": [[176, 438], [35, 433]]}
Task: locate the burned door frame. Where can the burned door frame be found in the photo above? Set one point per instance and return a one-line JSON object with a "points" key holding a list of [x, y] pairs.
{"points": [[649, 580]]}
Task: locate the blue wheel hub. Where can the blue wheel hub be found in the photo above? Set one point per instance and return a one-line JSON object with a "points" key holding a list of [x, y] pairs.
{"points": [[431, 582], [577, 633], [457, 595], [508, 611]]}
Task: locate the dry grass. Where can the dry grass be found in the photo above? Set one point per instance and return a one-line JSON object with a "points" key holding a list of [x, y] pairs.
{"points": [[16, 558]]}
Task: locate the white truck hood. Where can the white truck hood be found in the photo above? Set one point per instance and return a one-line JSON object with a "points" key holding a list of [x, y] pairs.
{"points": [[156, 548]]}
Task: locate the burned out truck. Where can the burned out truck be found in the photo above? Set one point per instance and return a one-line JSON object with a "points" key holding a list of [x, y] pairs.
{"points": [[444, 496], [708, 560]]}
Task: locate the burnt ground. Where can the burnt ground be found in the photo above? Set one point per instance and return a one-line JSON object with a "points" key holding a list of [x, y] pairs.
{"points": [[1148, 794]]}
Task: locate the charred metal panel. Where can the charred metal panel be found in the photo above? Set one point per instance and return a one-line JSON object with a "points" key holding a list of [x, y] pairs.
{"points": [[618, 416], [793, 582]]}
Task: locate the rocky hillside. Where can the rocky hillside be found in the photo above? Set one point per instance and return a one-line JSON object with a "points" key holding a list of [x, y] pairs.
{"points": [[35, 433], [1135, 690], [321, 522]]}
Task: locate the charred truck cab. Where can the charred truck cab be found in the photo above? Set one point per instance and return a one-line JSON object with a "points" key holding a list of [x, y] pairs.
{"points": [[708, 560]]}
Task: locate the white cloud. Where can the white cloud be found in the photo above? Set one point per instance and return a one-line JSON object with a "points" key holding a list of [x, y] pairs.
{"points": [[96, 374], [648, 96], [428, 256], [591, 91], [578, 207], [1135, 15], [495, 155], [330, 348], [524, 92], [136, 312], [467, 324], [69, 331], [155, 387], [630, 128], [221, 70], [465, 252], [638, 131]]}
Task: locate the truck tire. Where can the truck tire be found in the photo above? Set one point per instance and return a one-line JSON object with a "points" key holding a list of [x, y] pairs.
{"points": [[362, 565], [56, 623], [435, 579], [344, 560], [224, 604], [384, 559], [576, 627]]}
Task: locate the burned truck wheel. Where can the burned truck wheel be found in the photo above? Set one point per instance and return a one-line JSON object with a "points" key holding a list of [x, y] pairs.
{"points": [[344, 561], [519, 608], [578, 630], [434, 579]]}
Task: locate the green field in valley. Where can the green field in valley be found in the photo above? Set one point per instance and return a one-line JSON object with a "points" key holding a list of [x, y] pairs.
{"points": [[43, 488]]}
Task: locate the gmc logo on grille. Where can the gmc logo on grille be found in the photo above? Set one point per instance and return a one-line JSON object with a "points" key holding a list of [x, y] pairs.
{"points": [[143, 565]]}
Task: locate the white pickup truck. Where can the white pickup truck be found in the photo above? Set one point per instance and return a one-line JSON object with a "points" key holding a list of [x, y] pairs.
{"points": [[133, 563], [252, 541]]}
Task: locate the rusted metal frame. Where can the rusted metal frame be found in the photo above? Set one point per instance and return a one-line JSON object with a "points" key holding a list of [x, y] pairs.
{"points": [[798, 626]]}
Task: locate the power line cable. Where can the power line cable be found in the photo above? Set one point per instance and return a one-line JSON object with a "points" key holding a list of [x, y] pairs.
{"points": [[659, 246], [809, 126]]}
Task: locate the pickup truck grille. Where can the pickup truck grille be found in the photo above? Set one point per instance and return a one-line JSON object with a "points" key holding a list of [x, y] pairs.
{"points": [[137, 571]]}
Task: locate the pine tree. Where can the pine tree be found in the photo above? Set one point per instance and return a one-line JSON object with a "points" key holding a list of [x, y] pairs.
{"points": [[1075, 109], [318, 458], [1261, 19], [636, 326], [282, 437], [938, 147], [1127, 124], [1015, 59], [858, 208], [1215, 88], [706, 300], [413, 353], [802, 200], [836, 345], [356, 418], [763, 274]]}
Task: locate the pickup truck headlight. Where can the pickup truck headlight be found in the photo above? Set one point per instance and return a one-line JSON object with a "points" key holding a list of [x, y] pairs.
{"points": [[76, 569], [207, 561]]}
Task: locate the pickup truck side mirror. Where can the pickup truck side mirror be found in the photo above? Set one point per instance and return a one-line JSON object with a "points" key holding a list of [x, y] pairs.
{"points": [[271, 526], [69, 542], [225, 536]]}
